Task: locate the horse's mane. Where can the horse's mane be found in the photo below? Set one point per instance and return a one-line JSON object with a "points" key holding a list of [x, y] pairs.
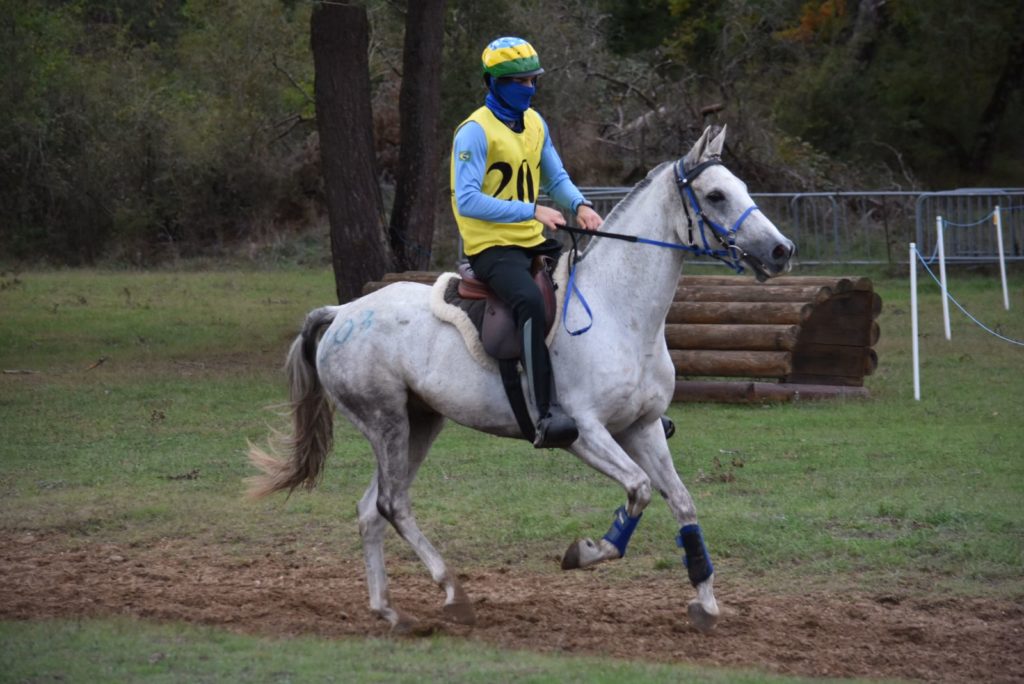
{"points": [[637, 190], [619, 209]]}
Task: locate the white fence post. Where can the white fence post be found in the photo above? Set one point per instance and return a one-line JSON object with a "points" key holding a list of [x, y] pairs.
{"points": [[942, 277], [997, 217], [913, 321]]}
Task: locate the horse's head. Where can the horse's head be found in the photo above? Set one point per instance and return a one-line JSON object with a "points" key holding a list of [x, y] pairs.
{"points": [[721, 215]]}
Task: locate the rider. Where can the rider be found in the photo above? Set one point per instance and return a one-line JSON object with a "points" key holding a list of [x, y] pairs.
{"points": [[497, 154]]}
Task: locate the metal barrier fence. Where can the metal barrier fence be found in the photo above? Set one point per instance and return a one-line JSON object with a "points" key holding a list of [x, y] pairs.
{"points": [[874, 227]]}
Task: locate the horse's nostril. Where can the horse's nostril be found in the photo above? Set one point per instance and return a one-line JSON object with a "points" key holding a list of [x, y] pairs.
{"points": [[780, 252]]}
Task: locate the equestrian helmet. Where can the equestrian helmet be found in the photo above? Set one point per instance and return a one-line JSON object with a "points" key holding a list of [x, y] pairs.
{"points": [[510, 56]]}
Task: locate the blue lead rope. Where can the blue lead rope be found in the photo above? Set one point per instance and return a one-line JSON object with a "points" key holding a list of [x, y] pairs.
{"points": [[569, 289]]}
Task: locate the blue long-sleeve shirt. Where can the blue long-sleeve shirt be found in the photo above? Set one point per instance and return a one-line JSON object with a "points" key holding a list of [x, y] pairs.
{"points": [[469, 177]]}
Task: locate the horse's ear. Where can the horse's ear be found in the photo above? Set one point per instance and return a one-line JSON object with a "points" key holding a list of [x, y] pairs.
{"points": [[696, 153], [714, 148]]}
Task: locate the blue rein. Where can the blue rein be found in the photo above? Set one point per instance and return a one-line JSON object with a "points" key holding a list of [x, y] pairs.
{"points": [[730, 255]]}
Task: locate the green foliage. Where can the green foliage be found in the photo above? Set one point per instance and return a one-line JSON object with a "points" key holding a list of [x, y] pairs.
{"points": [[871, 88], [144, 131], [147, 126], [892, 90], [637, 26]]}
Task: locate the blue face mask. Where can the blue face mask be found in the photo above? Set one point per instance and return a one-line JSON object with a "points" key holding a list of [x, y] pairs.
{"points": [[509, 99]]}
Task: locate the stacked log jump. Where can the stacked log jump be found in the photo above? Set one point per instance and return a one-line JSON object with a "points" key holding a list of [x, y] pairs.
{"points": [[794, 337]]}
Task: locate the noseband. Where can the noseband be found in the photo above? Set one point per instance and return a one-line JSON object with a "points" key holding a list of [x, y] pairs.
{"points": [[730, 254]]}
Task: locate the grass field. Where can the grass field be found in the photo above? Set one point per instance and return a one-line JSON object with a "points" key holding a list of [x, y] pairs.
{"points": [[127, 399]]}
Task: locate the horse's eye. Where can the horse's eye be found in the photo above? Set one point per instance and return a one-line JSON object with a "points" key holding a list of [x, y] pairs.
{"points": [[716, 196]]}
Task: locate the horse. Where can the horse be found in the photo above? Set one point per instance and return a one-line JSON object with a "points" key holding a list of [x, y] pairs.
{"points": [[397, 372]]}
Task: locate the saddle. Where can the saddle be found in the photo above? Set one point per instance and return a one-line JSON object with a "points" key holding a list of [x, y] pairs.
{"points": [[488, 325], [496, 322]]}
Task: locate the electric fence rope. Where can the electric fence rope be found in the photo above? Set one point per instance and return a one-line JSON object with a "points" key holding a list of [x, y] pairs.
{"points": [[969, 225], [962, 309]]}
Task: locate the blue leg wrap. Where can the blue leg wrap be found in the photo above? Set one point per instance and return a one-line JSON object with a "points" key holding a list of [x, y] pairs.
{"points": [[621, 530], [695, 554]]}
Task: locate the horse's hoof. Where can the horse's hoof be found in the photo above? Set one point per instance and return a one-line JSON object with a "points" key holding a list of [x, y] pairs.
{"points": [[701, 618], [460, 613], [582, 553], [404, 625]]}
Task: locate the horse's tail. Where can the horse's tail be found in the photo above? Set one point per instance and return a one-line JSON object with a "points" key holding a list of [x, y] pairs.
{"points": [[312, 420]]}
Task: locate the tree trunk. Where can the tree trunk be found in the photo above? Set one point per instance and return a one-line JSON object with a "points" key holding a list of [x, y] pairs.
{"points": [[412, 217], [864, 40], [1010, 80], [340, 39]]}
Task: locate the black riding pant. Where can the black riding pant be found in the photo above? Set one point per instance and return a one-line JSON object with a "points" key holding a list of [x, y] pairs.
{"points": [[506, 270]]}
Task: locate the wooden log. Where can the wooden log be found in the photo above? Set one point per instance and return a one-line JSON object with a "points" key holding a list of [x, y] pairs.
{"points": [[753, 337], [714, 390], [850, 331], [825, 380], [787, 391], [833, 360], [752, 293], [740, 313], [717, 280], [854, 304], [838, 283], [715, 362], [427, 277], [423, 277], [749, 392], [850, 306]]}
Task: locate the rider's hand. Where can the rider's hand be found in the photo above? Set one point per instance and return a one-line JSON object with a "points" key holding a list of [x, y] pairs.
{"points": [[587, 218], [551, 218]]}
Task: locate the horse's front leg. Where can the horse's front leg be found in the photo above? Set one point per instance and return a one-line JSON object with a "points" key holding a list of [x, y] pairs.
{"points": [[647, 446], [598, 449]]}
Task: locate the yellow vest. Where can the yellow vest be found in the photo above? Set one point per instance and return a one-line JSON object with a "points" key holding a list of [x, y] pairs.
{"points": [[512, 173]]}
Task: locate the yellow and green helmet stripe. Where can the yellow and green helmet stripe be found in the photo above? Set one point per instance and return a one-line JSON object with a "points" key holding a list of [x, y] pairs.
{"points": [[510, 56]]}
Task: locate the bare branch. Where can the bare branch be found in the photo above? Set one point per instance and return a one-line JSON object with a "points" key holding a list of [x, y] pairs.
{"points": [[629, 87], [291, 79]]}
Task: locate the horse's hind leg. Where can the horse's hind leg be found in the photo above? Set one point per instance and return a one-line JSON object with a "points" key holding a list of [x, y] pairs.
{"points": [[648, 447], [399, 456], [372, 527], [424, 426]]}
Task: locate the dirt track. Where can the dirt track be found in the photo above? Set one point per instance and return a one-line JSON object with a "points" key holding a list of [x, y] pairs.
{"points": [[885, 636]]}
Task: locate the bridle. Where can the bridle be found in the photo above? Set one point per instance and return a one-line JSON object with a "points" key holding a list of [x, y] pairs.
{"points": [[730, 253]]}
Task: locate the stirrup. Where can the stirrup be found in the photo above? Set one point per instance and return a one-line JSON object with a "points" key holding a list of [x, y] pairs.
{"points": [[555, 430]]}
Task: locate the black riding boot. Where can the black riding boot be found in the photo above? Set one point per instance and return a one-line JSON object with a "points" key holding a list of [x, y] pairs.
{"points": [[555, 428]]}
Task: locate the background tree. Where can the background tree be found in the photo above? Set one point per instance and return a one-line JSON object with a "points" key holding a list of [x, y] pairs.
{"points": [[340, 39], [419, 105], [1008, 85], [139, 132]]}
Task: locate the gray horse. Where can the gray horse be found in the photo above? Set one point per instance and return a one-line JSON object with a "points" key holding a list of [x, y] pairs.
{"points": [[396, 372]]}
